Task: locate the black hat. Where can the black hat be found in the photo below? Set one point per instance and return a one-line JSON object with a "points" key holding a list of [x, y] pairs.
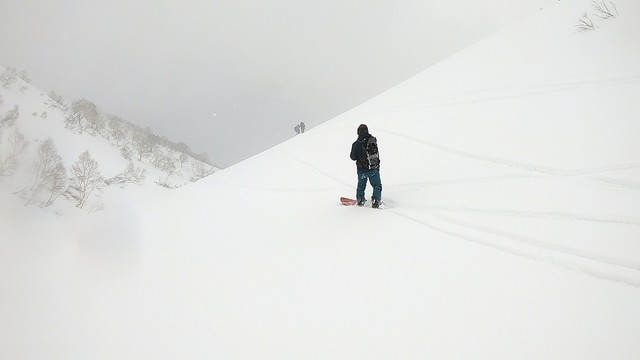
{"points": [[362, 127]]}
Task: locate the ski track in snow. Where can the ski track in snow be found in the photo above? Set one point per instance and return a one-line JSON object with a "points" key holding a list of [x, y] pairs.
{"points": [[513, 92], [543, 170], [315, 169], [620, 220], [540, 251], [563, 256], [617, 183], [461, 181], [632, 265]]}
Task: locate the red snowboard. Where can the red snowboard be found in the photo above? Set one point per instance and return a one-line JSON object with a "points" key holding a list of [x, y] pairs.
{"points": [[347, 202]]}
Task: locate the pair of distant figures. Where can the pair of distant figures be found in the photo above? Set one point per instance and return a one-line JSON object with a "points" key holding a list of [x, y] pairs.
{"points": [[299, 128]]}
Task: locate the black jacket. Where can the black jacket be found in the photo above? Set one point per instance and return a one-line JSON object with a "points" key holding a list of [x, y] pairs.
{"points": [[357, 151]]}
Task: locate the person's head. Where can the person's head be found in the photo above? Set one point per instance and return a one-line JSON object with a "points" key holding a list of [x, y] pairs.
{"points": [[363, 129]]}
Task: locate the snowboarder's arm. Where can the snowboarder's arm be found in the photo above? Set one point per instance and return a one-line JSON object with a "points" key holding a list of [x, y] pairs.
{"points": [[355, 151]]}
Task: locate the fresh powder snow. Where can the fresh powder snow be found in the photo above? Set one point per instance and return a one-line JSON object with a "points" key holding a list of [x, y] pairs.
{"points": [[511, 178]]}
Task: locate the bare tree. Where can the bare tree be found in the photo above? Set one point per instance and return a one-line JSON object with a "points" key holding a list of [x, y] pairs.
{"points": [[604, 11], [585, 23], [85, 178], [56, 183], [6, 165], [51, 175], [46, 158], [17, 143]]}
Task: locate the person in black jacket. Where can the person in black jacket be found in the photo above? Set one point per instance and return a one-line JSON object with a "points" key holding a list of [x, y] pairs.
{"points": [[299, 129], [364, 152]]}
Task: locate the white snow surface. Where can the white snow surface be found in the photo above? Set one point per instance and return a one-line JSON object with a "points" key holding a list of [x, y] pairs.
{"points": [[40, 118], [511, 178]]}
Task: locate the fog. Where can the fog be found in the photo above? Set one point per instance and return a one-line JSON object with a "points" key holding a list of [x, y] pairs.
{"points": [[232, 78]]}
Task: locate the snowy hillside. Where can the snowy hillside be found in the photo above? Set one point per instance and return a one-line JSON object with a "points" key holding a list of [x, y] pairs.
{"points": [[511, 177], [38, 132]]}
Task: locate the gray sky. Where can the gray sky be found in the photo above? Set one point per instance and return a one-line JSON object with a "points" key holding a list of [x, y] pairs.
{"points": [[232, 78]]}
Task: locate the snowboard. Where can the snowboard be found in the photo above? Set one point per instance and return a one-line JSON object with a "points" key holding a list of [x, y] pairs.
{"points": [[348, 202]]}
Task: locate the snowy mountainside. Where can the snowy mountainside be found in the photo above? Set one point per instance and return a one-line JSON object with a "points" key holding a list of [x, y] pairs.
{"points": [[132, 162], [511, 174]]}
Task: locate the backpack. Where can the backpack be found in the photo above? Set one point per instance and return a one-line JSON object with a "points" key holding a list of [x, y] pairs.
{"points": [[370, 146]]}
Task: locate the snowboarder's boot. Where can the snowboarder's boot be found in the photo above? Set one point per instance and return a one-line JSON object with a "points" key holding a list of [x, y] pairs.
{"points": [[361, 201], [376, 203]]}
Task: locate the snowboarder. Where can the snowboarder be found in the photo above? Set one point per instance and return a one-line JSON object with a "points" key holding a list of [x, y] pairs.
{"points": [[299, 129], [364, 152]]}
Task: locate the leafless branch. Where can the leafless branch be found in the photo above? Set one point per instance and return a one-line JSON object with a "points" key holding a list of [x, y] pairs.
{"points": [[585, 23], [603, 11]]}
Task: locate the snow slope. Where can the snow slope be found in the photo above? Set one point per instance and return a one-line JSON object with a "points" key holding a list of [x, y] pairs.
{"points": [[40, 118], [511, 174]]}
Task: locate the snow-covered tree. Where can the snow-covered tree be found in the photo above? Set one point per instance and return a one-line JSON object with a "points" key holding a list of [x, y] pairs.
{"points": [[11, 116], [83, 112], [8, 77], [96, 124], [116, 129], [85, 178], [200, 170], [130, 175], [25, 77], [58, 99], [143, 145], [126, 152], [163, 162], [134, 174], [183, 158]]}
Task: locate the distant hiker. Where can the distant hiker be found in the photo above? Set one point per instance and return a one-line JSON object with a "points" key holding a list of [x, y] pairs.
{"points": [[299, 129], [364, 152]]}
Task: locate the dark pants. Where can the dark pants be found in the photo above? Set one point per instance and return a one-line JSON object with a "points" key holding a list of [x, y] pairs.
{"points": [[374, 178]]}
